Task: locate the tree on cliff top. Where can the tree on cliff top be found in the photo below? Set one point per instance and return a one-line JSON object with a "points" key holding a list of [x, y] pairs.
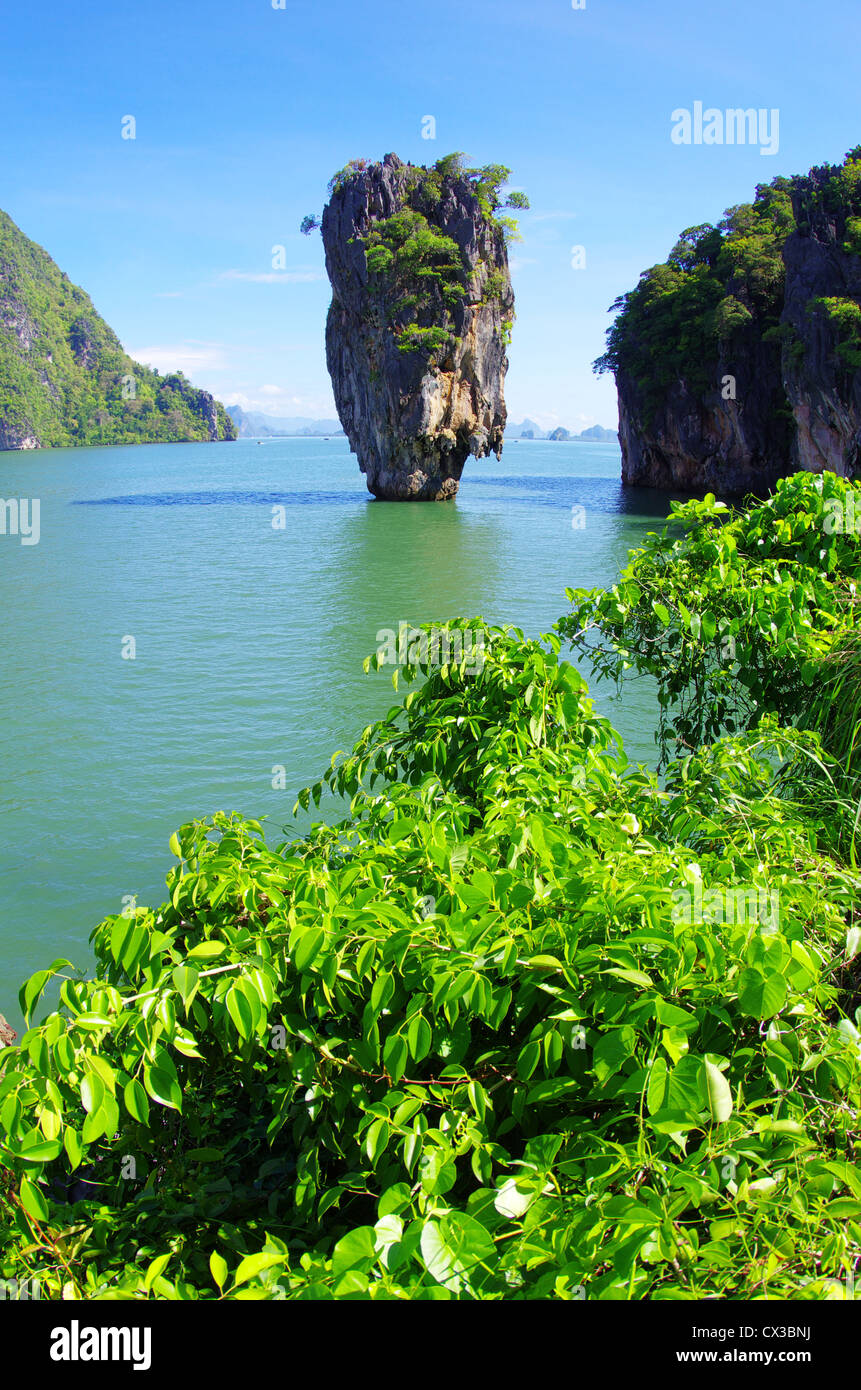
{"points": [[718, 279], [488, 181]]}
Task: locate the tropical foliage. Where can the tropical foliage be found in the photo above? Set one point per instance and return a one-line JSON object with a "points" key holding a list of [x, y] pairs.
{"points": [[64, 377], [732, 612], [527, 1023]]}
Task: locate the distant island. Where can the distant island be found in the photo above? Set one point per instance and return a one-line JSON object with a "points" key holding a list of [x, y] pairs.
{"points": [[528, 429], [255, 425], [251, 424], [64, 376]]}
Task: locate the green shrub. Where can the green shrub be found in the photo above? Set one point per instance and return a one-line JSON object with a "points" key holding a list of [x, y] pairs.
{"points": [[463, 1043]]}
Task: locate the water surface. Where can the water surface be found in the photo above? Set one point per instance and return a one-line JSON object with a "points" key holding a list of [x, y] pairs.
{"points": [[249, 640]]}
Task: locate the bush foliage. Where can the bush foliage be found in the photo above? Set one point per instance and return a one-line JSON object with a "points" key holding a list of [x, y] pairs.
{"points": [[524, 1024], [64, 377]]}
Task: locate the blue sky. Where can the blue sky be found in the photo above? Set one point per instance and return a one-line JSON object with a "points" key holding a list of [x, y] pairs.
{"points": [[243, 111]]}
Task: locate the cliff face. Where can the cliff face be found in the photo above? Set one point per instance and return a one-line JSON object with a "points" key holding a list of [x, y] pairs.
{"points": [[421, 309], [700, 441], [823, 383], [738, 361], [64, 377]]}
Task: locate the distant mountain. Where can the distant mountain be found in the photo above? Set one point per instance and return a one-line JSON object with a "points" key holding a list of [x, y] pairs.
{"points": [[598, 432], [64, 376], [255, 425], [530, 430]]}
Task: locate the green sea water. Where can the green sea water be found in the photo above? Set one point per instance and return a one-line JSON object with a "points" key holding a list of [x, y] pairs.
{"points": [[248, 639]]}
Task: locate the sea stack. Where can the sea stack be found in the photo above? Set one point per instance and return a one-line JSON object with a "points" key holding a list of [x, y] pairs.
{"points": [[421, 314]]}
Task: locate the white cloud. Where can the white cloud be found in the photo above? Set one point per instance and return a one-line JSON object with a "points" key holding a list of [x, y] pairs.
{"points": [[188, 357], [272, 390], [259, 398]]}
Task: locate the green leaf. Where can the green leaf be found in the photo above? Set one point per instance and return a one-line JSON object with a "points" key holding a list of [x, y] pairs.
{"points": [[355, 1251], [218, 1268], [92, 1092], [162, 1087], [395, 1053], [128, 942], [437, 1171], [33, 988], [91, 1021], [628, 1212], [843, 1208], [382, 990], [656, 1087], [554, 1089], [72, 1145], [207, 950], [376, 1139], [308, 948], [718, 1092], [633, 977], [528, 1059], [544, 963], [761, 996], [186, 979], [155, 1268], [35, 1148], [239, 1008], [454, 1247], [33, 1200], [136, 1101], [419, 1038], [252, 1265]]}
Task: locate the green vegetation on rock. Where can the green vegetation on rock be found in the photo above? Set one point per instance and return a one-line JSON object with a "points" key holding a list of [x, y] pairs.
{"points": [[722, 282], [422, 271], [418, 266], [64, 377], [715, 282]]}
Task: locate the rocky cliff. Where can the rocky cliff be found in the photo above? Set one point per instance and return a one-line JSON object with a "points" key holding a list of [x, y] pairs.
{"points": [[421, 312], [64, 377], [822, 318], [737, 361], [712, 439]]}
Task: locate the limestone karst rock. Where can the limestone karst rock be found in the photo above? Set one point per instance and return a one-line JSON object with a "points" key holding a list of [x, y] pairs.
{"points": [[821, 311], [65, 378], [421, 311], [739, 360]]}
